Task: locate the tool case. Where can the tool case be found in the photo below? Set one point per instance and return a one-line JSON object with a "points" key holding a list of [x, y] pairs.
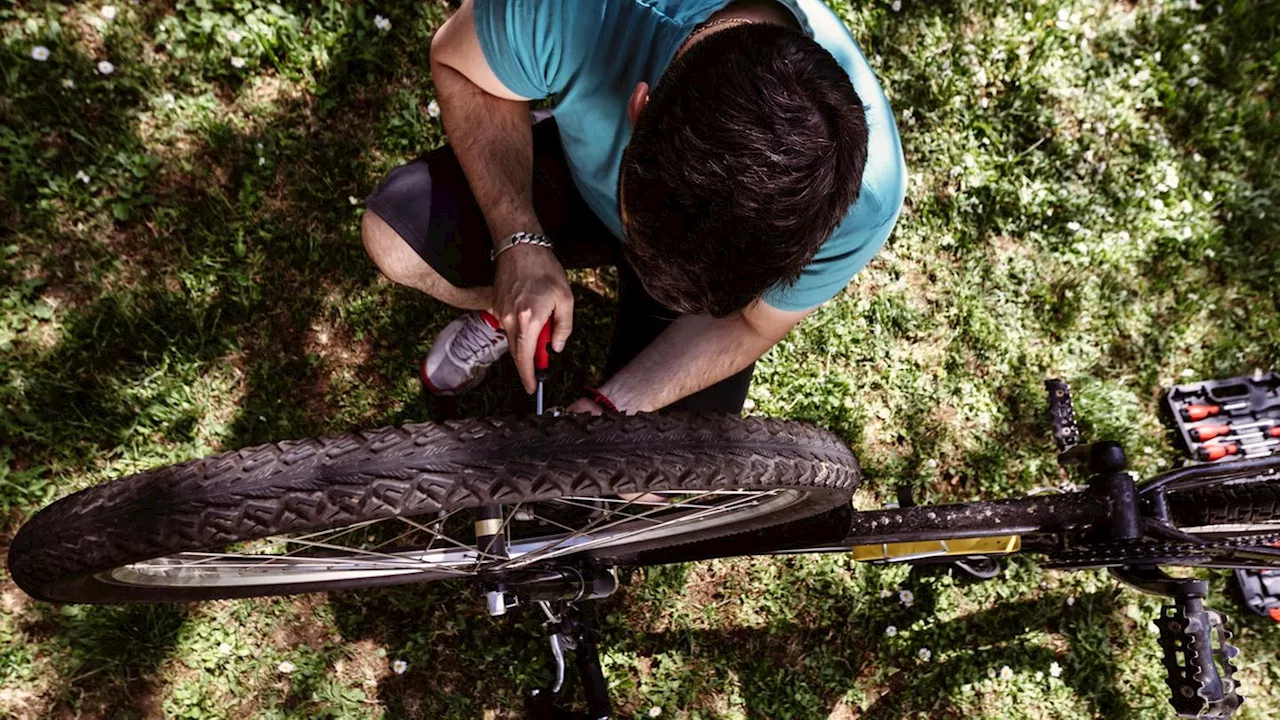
{"points": [[1260, 591], [1222, 421], [1225, 420]]}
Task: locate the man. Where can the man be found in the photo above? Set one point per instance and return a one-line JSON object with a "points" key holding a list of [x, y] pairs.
{"points": [[737, 161]]}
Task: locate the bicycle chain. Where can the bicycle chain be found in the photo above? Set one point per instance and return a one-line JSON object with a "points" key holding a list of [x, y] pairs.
{"points": [[1169, 552]]}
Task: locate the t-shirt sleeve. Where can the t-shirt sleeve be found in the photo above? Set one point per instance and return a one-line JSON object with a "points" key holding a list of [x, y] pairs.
{"points": [[858, 238], [533, 46]]}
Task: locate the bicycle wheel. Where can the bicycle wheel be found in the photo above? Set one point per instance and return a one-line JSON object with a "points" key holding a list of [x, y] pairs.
{"points": [[1237, 507], [392, 505], [1245, 513]]}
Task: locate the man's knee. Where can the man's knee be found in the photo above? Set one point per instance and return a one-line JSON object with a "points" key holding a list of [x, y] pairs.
{"points": [[403, 266], [385, 247]]}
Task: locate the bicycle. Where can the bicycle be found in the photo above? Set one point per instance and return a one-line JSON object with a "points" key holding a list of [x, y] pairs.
{"points": [[544, 509]]}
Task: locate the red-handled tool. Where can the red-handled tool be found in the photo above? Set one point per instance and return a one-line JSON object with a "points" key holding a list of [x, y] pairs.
{"points": [[542, 363], [1195, 413], [1210, 432], [1221, 450], [1217, 452]]}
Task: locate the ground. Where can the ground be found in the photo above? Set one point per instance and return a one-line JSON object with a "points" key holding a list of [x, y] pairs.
{"points": [[1093, 194]]}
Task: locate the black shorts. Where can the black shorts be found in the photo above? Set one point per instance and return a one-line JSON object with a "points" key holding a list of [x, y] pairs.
{"points": [[429, 205]]}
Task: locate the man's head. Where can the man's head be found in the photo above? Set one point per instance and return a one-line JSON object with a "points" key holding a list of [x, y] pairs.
{"points": [[744, 158]]}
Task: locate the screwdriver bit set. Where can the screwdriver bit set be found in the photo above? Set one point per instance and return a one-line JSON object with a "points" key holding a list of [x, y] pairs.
{"points": [[1224, 420]]}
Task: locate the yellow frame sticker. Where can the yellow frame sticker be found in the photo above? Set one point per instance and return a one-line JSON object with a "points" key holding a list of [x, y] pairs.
{"points": [[900, 552]]}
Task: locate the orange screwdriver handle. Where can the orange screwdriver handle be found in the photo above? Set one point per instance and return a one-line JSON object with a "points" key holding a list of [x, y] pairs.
{"points": [[1211, 432], [1217, 452], [1199, 412]]}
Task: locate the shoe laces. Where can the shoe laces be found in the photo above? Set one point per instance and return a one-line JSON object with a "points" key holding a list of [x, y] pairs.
{"points": [[476, 338]]}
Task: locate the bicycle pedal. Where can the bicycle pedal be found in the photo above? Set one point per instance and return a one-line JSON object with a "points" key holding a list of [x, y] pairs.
{"points": [[1198, 660]]}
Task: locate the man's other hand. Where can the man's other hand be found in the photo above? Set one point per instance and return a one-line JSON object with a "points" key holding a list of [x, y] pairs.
{"points": [[531, 288], [585, 405]]}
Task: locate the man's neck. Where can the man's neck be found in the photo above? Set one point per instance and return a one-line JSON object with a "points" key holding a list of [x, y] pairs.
{"points": [[765, 12]]}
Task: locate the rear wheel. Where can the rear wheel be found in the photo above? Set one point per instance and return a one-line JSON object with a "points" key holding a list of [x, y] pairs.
{"points": [[1239, 518], [396, 505]]}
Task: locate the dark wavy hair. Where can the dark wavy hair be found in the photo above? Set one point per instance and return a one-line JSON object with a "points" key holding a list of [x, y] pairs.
{"points": [[747, 156]]}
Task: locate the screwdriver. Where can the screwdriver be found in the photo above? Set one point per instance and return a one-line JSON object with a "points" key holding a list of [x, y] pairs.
{"points": [[1217, 452], [1213, 431], [542, 364], [1193, 413]]}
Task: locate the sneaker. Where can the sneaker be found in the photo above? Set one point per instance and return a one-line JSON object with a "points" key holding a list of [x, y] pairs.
{"points": [[462, 353]]}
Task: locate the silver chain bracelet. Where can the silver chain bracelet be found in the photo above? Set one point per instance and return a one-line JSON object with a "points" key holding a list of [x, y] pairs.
{"points": [[520, 238]]}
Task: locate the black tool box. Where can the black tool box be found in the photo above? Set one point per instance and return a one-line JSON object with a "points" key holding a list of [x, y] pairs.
{"points": [[1225, 420]]}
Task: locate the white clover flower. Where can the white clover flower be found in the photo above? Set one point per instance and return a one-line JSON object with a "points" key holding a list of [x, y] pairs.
{"points": [[1184, 206], [897, 5], [234, 36], [237, 62], [168, 100], [105, 67], [1073, 226], [433, 109], [1195, 59], [890, 631], [1006, 673], [353, 199], [1071, 600], [108, 12], [224, 648], [925, 654], [906, 597], [885, 594], [286, 667], [261, 161], [1055, 669], [68, 83], [655, 711], [1208, 196], [381, 23], [83, 177], [40, 53], [1192, 82], [1157, 204], [399, 666]]}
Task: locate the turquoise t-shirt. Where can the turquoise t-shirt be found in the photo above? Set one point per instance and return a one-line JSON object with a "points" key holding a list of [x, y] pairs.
{"points": [[588, 55]]}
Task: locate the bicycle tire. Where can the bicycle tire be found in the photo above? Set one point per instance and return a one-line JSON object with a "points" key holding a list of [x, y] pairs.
{"points": [[431, 467], [1250, 502]]}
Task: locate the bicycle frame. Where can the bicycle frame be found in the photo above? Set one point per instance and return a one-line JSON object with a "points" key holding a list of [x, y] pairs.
{"points": [[1113, 508]]}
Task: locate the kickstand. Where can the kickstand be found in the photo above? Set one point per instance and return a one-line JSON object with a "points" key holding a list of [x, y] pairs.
{"points": [[572, 631]]}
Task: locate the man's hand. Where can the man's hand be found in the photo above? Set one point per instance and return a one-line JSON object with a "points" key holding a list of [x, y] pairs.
{"points": [[585, 405], [530, 289]]}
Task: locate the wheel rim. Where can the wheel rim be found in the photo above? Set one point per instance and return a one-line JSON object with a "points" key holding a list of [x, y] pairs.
{"points": [[538, 535]]}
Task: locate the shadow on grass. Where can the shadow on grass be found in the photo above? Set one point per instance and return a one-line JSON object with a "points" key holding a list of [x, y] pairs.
{"points": [[109, 657], [463, 664]]}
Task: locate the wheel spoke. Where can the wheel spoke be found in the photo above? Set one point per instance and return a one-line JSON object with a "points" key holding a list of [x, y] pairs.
{"points": [[427, 546]]}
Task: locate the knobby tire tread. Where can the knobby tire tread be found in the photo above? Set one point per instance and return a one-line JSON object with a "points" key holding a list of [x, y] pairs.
{"points": [[315, 484], [1255, 501]]}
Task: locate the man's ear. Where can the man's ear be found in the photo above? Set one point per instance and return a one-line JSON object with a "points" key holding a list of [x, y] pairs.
{"points": [[639, 98]]}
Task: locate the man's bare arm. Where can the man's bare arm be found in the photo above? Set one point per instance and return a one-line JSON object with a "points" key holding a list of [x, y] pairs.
{"points": [[696, 352], [488, 127]]}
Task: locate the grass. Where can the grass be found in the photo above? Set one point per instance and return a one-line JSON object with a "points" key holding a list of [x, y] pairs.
{"points": [[1094, 192]]}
